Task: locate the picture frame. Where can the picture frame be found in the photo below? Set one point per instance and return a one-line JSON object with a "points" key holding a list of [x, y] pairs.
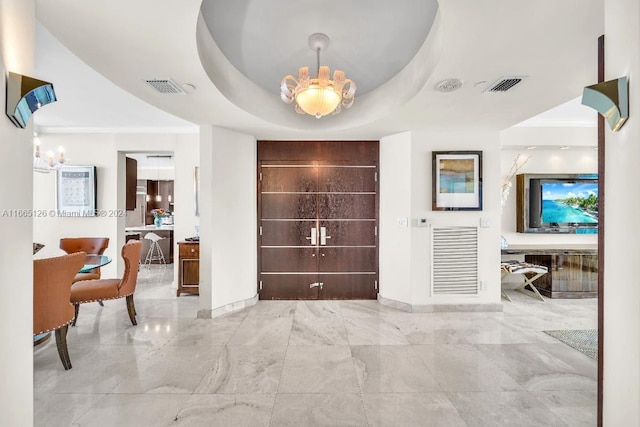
{"points": [[76, 191], [457, 181]]}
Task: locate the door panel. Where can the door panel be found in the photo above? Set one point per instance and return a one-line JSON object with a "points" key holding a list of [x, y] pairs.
{"points": [[287, 206], [287, 233], [289, 260], [361, 260], [342, 179], [289, 179], [350, 233], [343, 206], [348, 286], [286, 286]]}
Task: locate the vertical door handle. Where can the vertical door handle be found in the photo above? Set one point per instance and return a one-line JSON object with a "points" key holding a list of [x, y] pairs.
{"points": [[314, 236], [323, 235]]}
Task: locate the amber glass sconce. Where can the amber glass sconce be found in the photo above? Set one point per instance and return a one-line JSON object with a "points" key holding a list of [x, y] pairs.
{"points": [[25, 95], [611, 99]]}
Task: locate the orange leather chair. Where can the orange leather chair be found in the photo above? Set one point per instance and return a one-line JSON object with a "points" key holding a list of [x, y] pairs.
{"points": [[88, 245], [52, 309], [104, 289]]}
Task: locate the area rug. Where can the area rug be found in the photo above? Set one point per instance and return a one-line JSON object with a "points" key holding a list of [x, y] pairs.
{"points": [[583, 340]]}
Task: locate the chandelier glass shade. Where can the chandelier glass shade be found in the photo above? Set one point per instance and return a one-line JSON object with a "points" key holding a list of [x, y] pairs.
{"points": [[318, 96], [48, 164]]}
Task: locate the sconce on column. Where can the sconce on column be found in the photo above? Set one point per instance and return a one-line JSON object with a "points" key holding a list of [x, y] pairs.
{"points": [[611, 99], [25, 95]]}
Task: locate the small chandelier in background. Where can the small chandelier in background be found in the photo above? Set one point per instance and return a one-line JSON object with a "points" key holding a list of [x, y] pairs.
{"points": [[320, 96], [51, 163]]}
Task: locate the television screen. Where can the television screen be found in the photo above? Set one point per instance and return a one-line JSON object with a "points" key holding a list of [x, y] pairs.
{"points": [[570, 202]]}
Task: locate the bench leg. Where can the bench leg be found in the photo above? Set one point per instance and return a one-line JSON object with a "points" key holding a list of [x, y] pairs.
{"points": [[528, 281]]}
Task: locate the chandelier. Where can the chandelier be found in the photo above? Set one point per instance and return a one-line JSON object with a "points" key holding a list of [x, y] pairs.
{"points": [[51, 163], [320, 96]]}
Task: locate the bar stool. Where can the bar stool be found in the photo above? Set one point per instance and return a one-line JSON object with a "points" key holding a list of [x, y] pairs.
{"points": [[154, 253]]}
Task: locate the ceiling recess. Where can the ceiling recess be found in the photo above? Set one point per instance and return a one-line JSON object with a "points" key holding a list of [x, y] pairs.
{"points": [[165, 86], [503, 84]]}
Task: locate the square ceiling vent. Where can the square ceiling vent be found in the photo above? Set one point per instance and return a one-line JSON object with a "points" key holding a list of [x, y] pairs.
{"points": [[164, 86], [504, 84]]}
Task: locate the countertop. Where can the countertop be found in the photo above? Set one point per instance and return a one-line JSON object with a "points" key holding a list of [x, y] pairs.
{"points": [[550, 249], [149, 228]]}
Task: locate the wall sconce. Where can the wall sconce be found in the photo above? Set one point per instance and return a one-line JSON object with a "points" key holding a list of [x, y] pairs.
{"points": [[25, 95], [611, 99]]}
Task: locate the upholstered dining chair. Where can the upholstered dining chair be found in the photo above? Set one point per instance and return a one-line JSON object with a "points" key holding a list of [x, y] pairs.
{"points": [[88, 245], [104, 289], [52, 309]]}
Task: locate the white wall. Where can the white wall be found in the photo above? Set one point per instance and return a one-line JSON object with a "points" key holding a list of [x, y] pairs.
{"points": [[17, 34], [405, 191], [581, 157], [228, 214], [622, 228], [395, 202], [107, 151]]}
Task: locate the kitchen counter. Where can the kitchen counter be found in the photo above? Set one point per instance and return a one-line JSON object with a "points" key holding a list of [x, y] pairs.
{"points": [[166, 244]]}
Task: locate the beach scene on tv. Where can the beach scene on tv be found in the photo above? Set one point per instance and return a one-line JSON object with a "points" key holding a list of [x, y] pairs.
{"points": [[570, 202]]}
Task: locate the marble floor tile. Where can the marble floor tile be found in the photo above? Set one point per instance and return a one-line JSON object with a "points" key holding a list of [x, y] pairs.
{"points": [[503, 408], [163, 373], [318, 331], [373, 331], [383, 369], [150, 332], [245, 369], [271, 309], [464, 368], [263, 331], [534, 367], [227, 410], [55, 410], [140, 410], [94, 369], [315, 309], [575, 408], [411, 409], [205, 332], [317, 410], [318, 369]]}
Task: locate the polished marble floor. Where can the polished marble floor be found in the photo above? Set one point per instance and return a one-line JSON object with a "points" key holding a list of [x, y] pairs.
{"points": [[315, 363]]}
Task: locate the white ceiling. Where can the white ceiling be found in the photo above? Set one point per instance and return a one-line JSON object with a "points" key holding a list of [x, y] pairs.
{"points": [[120, 43]]}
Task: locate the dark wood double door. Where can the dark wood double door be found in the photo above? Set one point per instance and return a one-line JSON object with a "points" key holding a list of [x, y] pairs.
{"points": [[318, 220]]}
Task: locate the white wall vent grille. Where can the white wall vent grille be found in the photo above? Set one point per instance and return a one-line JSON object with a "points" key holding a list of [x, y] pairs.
{"points": [[503, 84], [455, 260], [165, 86]]}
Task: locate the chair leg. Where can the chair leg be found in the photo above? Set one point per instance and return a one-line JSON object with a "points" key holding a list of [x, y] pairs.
{"points": [[131, 308], [101, 303], [61, 343], [77, 310]]}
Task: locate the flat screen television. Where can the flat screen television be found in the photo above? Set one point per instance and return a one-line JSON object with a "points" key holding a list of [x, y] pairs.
{"points": [[562, 204]]}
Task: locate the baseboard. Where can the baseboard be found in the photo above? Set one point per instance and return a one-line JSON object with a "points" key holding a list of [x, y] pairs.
{"points": [[440, 308], [228, 308]]}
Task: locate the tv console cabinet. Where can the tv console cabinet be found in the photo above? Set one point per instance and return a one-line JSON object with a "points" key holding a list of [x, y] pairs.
{"points": [[573, 273]]}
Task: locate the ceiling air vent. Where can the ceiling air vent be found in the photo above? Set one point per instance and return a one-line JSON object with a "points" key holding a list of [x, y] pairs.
{"points": [[164, 86], [504, 84]]}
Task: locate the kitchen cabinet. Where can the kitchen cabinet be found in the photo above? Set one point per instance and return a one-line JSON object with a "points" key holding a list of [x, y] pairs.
{"points": [[188, 268], [131, 183]]}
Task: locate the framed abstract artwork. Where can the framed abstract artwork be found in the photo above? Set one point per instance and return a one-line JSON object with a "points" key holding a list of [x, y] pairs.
{"points": [[457, 181], [76, 193]]}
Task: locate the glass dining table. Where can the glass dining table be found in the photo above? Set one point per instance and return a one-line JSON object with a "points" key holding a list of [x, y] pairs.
{"points": [[91, 262]]}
